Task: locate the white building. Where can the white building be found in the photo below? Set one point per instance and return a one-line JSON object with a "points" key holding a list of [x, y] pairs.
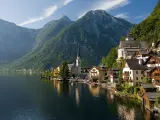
{"points": [[97, 74], [128, 48], [75, 68], [134, 70]]}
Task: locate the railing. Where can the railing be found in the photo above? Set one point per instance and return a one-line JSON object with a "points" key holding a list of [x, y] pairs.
{"points": [[125, 74], [156, 77]]}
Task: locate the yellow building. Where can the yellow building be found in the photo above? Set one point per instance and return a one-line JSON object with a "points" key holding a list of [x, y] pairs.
{"points": [[56, 72]]}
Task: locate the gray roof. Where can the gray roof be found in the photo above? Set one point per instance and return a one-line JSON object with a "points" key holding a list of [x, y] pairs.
{"points": [[133, 43], [148, 85], [134, 64], [153, 95]]}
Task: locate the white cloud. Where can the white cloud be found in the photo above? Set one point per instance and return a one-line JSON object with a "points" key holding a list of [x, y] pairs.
{"points": [[66, 2], [47, 13], [106, 5], [141, 16], [122, 15]]}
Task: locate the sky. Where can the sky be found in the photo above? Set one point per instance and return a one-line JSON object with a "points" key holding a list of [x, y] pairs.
{"points": [[36, 13]]}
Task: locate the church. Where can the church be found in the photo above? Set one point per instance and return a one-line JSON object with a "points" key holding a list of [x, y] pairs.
{"points": [[75, 68]]}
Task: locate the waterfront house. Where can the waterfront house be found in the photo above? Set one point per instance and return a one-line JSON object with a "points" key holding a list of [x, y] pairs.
{"points": [[97, 74], [134, 71], [155, 75], [56, 72], [113, 75], [128, 48], [149, 94]]}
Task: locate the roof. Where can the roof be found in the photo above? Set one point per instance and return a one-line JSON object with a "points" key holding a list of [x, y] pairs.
{"points": [[134, 64], [99, 68], [148, 85], [153, 95], [133, 43]]}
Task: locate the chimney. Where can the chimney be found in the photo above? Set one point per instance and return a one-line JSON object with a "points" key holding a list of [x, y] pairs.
{"points": [[140, 61]]}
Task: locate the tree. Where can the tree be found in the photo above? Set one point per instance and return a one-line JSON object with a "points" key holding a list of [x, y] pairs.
{"points": [[64, 70], [122, 38]]}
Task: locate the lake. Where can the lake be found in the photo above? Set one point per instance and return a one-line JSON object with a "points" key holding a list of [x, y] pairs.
{"points": [[29, 98]]}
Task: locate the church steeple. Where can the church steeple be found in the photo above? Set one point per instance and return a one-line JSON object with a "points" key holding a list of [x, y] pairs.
{"points": [[78, 59], [78, 52]]}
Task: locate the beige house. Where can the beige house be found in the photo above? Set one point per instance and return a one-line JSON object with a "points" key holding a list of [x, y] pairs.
{"points": [[134, 71], [97, 74]]}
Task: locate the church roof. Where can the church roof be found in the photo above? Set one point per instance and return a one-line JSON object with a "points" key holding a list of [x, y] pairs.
{"points": [[133, 43]]}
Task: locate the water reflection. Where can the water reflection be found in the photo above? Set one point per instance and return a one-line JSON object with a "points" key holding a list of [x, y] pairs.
{"points": [[124, 109], [77, 97], [125, 113], [62, 88], [95, 91]]}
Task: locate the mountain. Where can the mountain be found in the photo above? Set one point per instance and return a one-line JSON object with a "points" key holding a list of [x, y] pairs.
{"points": [[149, 29], [15, 41], [96, 33], [50, 30]]}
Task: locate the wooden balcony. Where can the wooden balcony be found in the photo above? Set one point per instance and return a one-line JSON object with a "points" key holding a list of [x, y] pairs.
{"points": [[156, 77], [126, 74]]}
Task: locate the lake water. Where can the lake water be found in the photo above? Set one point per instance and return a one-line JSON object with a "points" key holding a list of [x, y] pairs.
{"points": [[29, 98]]}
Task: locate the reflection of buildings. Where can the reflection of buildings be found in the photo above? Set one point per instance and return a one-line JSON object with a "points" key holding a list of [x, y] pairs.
{"points": [[95, 91], [77, 96], [62, 88], [125, 113], [110, 97]]}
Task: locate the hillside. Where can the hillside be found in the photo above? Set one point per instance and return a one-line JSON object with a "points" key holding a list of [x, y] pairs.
{"points": [[96, 33], [15, 41], [149, 29], [50, 30]]}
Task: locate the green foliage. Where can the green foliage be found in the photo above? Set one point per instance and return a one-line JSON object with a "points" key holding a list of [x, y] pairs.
{"points": [[126, 88], [157, 101], [149, 29], [110, 60], [122, 38], [64, 70]]}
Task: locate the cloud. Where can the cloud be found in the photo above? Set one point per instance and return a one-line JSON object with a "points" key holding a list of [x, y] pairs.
{"points": [[141, 16], [122, 15], [47, 13], [106, 5], [66, 2]]}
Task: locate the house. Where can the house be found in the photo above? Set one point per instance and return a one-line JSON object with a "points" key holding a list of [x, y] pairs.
{"points": [[128, 48], [149, 94], [155, 75], [56, 72], [97, 74], [152, 61], [134, 71], [113, 75]]}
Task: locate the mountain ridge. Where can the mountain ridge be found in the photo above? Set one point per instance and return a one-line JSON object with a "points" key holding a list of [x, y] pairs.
{"points": [[95, 29]]}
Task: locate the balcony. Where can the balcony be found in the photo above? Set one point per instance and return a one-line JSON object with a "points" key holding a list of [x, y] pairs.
{"points": [[156, 77], [126, 74]]}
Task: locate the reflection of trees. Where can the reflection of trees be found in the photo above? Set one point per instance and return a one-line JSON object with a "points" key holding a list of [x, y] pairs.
{"points": [[125, 113]]}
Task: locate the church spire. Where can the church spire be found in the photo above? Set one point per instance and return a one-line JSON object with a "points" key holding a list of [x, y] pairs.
{"points": [[78, 51]]}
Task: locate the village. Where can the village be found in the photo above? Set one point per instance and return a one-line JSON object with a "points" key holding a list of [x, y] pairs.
{"points": [[138, 78]]}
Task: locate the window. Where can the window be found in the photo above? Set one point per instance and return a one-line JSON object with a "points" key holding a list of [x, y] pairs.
{"points": [[137, 78], [130, 72], [136, 72], [141, 78], [142, 72]]}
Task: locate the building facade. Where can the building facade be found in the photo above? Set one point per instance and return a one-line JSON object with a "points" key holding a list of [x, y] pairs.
{"points": [[128, 48]]}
